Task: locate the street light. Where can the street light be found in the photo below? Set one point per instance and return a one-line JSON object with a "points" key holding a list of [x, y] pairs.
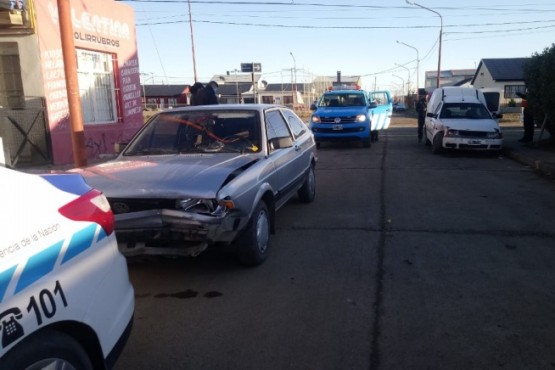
{"points": [[408, 81], [403, 89], [294, 87], [440, 37], [417, 63], [144, 82]]}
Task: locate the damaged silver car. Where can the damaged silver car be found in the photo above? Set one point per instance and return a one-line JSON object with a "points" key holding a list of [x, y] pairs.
{"points": [[198, 176]]}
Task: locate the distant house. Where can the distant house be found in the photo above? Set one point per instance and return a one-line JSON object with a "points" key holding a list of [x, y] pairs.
{"points": [[164, 96], [450, 77], [505, 74]]}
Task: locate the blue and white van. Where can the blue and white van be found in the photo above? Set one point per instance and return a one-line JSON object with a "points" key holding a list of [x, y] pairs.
{"points": [[350, 115]]}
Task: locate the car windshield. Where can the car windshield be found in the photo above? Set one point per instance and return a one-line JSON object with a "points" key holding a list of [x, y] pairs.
{"points": [[199, 131], [342, 100], [464, 110]]}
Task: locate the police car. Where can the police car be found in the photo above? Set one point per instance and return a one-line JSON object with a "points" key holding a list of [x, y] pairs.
{"points": [[65, 296], [350, 115]]}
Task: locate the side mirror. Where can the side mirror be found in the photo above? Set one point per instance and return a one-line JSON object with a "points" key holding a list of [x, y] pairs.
{"points": [[118, 147], [431, 115], [312, 106], [373, 104], [497, 115], [280, 143]]}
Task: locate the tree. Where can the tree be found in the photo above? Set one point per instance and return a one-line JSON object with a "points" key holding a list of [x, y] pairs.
{"points": [[539, 76]]}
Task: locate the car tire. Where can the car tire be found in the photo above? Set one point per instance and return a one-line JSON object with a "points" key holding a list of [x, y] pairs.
{"points": [[307, 192], [48, 348], [252, 246], [437, 145]]}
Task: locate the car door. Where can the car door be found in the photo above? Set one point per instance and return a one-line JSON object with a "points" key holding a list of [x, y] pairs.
{"points": [[303, 142], [380, 115], [284, 155], [430, 121]]}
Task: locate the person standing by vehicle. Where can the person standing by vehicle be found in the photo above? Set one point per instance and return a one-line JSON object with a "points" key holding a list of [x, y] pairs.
{"points": [[421, 110], [210, 91], [197, 93], [527, 120]]}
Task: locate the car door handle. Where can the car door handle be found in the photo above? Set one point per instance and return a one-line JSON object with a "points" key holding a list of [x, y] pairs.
{"points": [[297, 148]]}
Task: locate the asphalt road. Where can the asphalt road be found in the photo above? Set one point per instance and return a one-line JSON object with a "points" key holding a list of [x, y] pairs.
{"points": [[405, 260]]}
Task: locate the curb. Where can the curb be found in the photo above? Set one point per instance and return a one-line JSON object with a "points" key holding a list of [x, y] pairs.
{"points": [[544, 168]]}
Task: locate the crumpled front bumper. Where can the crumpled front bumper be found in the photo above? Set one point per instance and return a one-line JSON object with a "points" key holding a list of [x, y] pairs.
{"points": [[167, 231]]}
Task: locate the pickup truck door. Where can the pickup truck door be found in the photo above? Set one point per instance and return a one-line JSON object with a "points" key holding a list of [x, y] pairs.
{"points": [[380, 115]]}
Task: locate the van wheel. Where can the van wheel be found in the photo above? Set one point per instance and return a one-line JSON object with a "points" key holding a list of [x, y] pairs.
{"points": [[252, 246], [47, 349], [437, 145]]}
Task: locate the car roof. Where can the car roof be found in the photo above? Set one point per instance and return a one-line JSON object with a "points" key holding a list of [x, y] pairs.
{"points": [[216, 107]]}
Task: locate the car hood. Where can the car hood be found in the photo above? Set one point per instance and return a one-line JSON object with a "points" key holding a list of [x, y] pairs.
{"points": [[196, 176], [340, 111], [488, 125]]}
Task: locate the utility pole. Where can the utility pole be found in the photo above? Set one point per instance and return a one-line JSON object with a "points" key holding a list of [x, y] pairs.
{"points": [[72, 84], [192, 41]]}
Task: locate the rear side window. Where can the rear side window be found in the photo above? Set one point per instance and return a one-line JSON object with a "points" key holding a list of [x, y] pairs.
{"points": [[297, 126], [277, 131]]}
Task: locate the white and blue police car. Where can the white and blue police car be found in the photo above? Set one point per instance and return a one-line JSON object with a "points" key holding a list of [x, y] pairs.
{"points": [[65, 296]]}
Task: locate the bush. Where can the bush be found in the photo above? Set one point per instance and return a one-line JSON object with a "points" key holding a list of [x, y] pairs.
{"points": [[539, 76]]}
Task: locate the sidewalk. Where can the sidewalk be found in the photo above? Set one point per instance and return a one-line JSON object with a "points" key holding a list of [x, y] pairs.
{"points": [[537, 155]]}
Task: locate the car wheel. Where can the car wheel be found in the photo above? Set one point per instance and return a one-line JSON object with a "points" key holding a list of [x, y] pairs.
{"points": [[307, 192], [253, 243], [437, 145], [45, 350]]}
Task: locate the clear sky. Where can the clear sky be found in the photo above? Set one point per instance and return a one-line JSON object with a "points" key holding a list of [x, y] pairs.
{"points": [[321, 37]]}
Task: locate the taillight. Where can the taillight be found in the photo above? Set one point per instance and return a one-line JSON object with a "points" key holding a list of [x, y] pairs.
{"points": [[93, 207]]}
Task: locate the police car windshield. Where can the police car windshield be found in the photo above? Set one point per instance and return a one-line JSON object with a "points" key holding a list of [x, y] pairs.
{"points": [[464, 111], [342, 100]]}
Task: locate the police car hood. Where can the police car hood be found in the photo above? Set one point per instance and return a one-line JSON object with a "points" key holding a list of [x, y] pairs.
{"points": [[166, 176], [486, 125], [341, 111]]}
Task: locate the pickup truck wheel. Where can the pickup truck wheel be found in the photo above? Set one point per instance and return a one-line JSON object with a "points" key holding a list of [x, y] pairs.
{"points": [[307, 192], [252, 246], [437, 145], [45, 350]]}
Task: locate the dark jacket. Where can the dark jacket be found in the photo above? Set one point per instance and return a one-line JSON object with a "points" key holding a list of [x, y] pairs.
{"points": [[197, 93]]}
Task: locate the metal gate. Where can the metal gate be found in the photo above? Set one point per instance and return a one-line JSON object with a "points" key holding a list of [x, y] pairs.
{"points": [[24, 134]]}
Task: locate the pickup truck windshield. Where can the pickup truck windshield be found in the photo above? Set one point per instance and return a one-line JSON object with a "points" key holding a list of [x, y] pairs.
{"points": [[342, 100]]}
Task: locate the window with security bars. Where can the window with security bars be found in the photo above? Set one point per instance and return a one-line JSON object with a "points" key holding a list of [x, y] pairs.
{"points": [[511, 90], [96, 85]]}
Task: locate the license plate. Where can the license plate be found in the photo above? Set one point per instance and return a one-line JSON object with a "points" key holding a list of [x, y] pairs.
{"points": [[337, 127], [476, 142]]}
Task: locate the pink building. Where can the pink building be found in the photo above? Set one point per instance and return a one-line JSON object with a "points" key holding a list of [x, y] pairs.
{"points": [[34, 81]]}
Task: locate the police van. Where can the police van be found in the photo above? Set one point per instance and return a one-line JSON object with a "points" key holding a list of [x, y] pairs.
{"points": [[350, 115], [65, 296]]}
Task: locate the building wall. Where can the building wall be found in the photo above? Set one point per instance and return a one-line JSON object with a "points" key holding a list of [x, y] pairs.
{"points": [[98, 25]]}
